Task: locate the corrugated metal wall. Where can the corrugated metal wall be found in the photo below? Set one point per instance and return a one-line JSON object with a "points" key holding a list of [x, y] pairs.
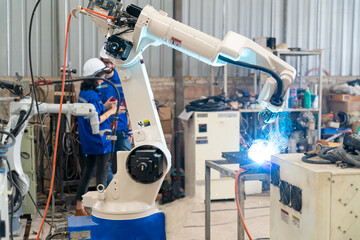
{"points": [[251, 18], [48, 38], [332, 25]]}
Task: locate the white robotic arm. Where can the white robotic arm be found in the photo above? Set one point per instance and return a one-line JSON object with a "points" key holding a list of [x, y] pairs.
{"points": [[235, 49], [128, 33], [126, 40], [19, 109], [132, 192]]}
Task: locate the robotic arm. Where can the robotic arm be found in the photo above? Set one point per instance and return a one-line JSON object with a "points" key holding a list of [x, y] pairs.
{"points": [[129, 32], [18, 111], [155, 28], [126, 40], [132, 192]]}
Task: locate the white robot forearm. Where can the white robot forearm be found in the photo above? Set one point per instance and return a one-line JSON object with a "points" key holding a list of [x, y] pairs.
{"points": [[155, 28]]}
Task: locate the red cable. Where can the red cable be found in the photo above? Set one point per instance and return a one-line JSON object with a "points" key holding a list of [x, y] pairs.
{"points": [[237, 202], [89, 10], [57, 131], [314, 69]]}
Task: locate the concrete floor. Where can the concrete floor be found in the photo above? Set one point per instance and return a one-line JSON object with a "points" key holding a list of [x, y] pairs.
{"points": [[185, 219]]}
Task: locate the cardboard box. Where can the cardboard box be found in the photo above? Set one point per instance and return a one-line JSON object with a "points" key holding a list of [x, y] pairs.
{"points": [[356, 127], [169, 142], [329, 144], [165, 113], [344, 98], [344, 103], [167, 126]]}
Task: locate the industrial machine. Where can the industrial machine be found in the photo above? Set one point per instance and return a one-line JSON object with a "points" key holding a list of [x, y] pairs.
{"points": [[28, 163], [207, 135], [4, 217], [320, 201], [128, 203], [126, 209], [17, 125]]}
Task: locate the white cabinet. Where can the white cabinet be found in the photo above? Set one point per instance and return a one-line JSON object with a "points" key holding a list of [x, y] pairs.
{"points": [[207, 135], [312, 201]]}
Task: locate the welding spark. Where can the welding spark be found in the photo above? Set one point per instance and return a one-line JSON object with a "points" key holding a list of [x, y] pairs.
{"points": [[261, 151], [273, 141]]}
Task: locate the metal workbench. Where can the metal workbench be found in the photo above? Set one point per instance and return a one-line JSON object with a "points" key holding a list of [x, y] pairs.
{"points": [[220, 165]]}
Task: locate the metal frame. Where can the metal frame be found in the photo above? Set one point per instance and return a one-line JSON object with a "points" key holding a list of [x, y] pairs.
{"points": [[218, 165], [300, 54]]}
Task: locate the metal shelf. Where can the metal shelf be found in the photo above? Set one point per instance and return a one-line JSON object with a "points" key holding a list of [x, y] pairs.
{"points": [[284, 110], [305, 53], [297, 53]]}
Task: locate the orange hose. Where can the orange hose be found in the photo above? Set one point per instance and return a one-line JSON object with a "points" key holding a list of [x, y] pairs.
{"points": [[100, 14], [57, 131], [237, 203], [314, 69]]}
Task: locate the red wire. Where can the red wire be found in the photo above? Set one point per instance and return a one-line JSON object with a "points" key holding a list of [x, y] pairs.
{"points": [[237, 203], [57, 131], [314, 69], [89, 10]]}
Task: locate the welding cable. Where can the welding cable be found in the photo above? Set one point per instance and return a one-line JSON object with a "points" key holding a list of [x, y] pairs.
{"points": [[332, 155], [57, 131], [237, 201], [37, 208], [307, 159], [276, 98], [214, 103], [22, 116], [56, 234], [18, 197], [34, 97], [33, 92]]}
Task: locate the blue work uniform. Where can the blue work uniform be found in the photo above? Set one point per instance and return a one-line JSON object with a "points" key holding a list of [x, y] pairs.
{"points": [[93, 144], [122, 143], [106, 91]]}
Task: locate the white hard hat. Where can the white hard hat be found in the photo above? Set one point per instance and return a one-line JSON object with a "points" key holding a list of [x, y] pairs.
{"points": [[103, 53], [93, 66]]}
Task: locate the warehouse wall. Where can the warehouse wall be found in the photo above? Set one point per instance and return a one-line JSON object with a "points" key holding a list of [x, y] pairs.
{"points": [[48, 38], [332, 25]]}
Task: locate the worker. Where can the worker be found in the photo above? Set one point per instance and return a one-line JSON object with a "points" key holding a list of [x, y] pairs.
{"points": [[123, 131], [95, 147]]}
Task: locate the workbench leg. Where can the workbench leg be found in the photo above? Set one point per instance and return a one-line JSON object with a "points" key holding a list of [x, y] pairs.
{"points": [[240, 191], [207, 202]]}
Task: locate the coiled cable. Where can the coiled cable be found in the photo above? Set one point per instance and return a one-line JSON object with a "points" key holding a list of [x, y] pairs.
{"points": [[333, 155], [210, 104]]}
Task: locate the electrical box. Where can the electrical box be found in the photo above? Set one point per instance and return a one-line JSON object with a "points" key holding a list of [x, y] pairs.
{"points": [[28, 164], [206, 136], [313, 201]]}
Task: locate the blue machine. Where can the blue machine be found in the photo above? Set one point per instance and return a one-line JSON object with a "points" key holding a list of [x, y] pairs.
{"points": [[90, 227]]}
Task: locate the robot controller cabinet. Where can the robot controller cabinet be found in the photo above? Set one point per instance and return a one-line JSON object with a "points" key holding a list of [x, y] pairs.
{"points": [[313, 202]]}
